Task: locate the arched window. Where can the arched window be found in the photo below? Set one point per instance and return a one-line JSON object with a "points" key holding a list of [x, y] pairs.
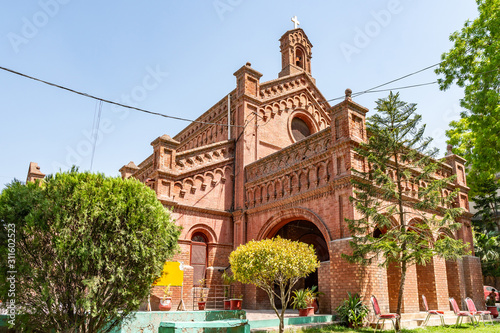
{"points": [[300, 129], [299, 58], [198, 256]]}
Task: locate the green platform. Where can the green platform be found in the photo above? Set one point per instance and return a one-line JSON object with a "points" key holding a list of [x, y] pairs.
{"points": [[200, 321], [149, 322], [228, 325], [291, 321]]}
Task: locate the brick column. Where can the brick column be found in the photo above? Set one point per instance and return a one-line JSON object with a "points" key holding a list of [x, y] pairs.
{"points": [[456, 280], [324, 285], [474, 280], [354, 278], [410, 294], [441, 281]]}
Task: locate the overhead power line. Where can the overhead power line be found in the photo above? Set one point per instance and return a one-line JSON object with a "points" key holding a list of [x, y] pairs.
{"points": [[111, 102], [389, 82], [359, 93], [372, 90]]}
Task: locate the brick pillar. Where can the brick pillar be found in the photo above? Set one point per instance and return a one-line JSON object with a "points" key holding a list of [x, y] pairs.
{"points": [[474, 280], [441, 284], [456, 280], [426, 282], [250, 300], [410, 297], [354, 278], [324, 285], [344, 276], [255, 298]]}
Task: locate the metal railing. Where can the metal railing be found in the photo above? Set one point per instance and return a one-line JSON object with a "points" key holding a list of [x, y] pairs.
{"points": [[214, 296]]}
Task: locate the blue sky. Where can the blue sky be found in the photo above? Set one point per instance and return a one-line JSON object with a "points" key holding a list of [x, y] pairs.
{"points": [[178, 58]]}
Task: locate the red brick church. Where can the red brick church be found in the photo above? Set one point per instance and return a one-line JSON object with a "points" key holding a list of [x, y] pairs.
{"points": [[283, 167]]}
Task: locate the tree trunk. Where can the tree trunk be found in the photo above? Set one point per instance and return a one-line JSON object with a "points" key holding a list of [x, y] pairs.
{"points": [[282, 325], [401, 290]]}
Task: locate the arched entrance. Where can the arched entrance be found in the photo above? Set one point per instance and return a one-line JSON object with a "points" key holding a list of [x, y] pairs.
{"points": [[306, 232]]}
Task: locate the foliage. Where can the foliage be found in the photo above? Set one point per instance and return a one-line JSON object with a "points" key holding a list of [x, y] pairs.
{"points": [[228, 279], [167, 292], [474, 63], [301, 298], [352, 310], [203, 294], [487, 204], [88, 248], [315, 293], [271, 262], [391, 226], [487, 248], [486, 223]]}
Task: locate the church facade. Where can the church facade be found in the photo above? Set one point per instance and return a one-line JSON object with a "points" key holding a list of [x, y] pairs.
{"points": [[275, 158]]}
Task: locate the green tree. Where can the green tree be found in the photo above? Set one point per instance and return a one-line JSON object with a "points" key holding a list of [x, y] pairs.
{"points": [[271, 262], [87, 249], [474, 63], [385, 195], [487, 204], [486, 223], [487, 248]]}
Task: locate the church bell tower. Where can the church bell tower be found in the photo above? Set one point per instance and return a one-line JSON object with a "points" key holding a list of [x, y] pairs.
{"points": [[295, 52]]}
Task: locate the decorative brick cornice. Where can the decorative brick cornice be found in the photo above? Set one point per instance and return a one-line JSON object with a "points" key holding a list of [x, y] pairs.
{"points": [[317, 144], [196, 126], [286, 80], [177, 207]]}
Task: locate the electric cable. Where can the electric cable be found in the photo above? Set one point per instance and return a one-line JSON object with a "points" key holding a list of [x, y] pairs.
{"points": [[111, 102]]}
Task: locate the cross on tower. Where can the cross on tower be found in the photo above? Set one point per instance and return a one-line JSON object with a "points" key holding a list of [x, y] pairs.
{"points": [[295, 22]]}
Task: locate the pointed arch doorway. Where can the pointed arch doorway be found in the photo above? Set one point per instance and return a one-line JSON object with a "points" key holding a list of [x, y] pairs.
{"points": [[306, 232]]}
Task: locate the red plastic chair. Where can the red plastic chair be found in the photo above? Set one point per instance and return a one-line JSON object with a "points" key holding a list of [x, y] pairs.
{"points": [[472, 309], [431, 312], [383, 316], [461, 314]]}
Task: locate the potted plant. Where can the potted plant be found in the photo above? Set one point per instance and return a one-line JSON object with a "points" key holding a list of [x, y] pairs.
{"points": [[228, 279], [352, 311], [236, 302], [301, 300], [490, 304], [202, 301], [315, 295], [166, 300]]}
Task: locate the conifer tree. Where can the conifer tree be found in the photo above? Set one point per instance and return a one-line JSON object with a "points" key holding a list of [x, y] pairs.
{"points": [[399, 183]]}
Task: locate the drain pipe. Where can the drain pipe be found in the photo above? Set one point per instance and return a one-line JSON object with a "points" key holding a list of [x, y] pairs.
{"points": [[229, 116]]}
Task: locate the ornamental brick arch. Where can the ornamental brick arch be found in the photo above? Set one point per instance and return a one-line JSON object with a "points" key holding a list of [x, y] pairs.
{"points": [[301, 224], [281, 218], [206, 230]]}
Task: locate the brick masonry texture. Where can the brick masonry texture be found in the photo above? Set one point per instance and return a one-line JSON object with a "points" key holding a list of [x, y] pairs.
{"points": [[263, 178]]}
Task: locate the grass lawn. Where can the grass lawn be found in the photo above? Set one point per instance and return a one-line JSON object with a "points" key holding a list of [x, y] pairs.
{"points": [[432, 329]]}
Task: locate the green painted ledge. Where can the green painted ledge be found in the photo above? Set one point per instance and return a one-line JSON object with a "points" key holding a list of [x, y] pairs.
{"points": [[149, 321], [229, 325], [291, 321]]}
